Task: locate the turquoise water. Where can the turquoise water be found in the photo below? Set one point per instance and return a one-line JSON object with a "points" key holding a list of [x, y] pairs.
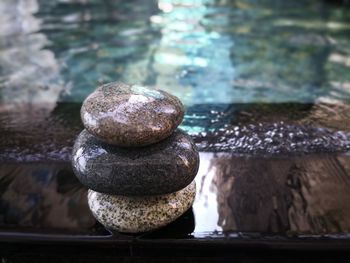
{"points": [[234, 64], [203, 51], [206, 51]]}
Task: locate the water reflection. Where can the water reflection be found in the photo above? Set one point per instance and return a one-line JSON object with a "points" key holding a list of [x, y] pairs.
{"points": [[99, 42], [227, 72], [267, 196], [184, 62], [273, 195], [29, 72], [203, 51], [45, 196]]}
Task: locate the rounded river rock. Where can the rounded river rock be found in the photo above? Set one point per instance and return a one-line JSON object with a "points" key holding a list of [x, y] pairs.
{"points": [[131, 116], [140, 214], [161, 168]]}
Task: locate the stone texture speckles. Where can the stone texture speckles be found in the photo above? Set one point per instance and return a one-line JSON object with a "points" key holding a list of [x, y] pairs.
{"points": [[139, 167], [131, 116], [140, 214], [161, 168]]}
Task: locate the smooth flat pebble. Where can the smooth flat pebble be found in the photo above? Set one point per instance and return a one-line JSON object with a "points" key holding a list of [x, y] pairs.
{"points": [[140, 214], [131, 116], [161, 168]]}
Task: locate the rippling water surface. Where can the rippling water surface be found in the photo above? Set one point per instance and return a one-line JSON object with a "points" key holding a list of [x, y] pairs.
{"points": [[232, 63], [266, 86]]}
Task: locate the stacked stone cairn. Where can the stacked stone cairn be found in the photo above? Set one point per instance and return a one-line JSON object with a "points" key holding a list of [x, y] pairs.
{"points": [[138, 166]]}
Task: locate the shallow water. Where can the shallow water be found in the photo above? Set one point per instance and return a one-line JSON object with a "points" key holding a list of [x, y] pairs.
{"points": [[266, 86]]}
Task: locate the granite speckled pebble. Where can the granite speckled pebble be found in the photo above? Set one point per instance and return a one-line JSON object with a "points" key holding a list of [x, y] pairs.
{"points": [[161, 168], [131, 116], [140, 214]]}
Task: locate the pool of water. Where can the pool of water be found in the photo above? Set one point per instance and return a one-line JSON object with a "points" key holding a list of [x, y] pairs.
{"points": [[266, 86], [232, 63]]}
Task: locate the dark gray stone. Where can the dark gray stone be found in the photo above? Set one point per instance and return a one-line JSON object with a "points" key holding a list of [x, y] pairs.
{"points": [[131, 116], [161, 168]]}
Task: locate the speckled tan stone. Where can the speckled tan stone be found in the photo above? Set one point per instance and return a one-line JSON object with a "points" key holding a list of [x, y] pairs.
{"points": [[140, 214], [131, 116]]}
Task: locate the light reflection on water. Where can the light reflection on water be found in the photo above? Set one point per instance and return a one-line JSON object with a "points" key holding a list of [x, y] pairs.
{"points": [[273, 195], [185, 62], [29, 72], [205, 205], [201, 51]]}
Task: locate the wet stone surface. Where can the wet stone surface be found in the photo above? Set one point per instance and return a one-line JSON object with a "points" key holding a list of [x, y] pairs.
{"points": [[131, 116], [161, 168], [140, 214]]}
